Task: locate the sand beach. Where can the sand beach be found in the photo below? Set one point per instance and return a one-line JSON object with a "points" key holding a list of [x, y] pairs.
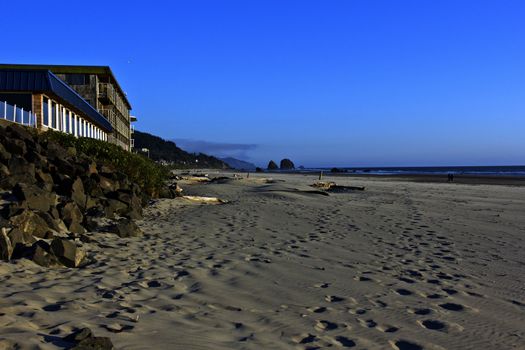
{"points": [[400, 265]]}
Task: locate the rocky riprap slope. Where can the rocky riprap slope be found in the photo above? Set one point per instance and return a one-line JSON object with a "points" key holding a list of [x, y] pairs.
{"points": [[52, 194]]}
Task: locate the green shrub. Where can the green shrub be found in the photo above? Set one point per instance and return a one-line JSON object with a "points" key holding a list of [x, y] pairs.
{"points": [[149, 175]]}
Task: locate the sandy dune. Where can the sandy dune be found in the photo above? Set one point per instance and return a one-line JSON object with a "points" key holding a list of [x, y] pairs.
{"points": [[398, 266]]}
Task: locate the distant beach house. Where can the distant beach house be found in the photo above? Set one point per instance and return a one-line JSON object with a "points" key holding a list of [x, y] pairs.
{"points": [[85, 101]]}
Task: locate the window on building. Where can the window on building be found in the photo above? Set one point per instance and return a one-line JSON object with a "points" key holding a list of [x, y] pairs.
{"points": [[53, 115], [45, 111], [60, 122], [77, 79], [67, 116]]}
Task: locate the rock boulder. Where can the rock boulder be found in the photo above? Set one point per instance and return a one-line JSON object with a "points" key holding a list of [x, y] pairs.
{"points": [[6, 248], [272, 165], [287, 164], [35, 197], [67, 252], [126, 228], [30, 222]]}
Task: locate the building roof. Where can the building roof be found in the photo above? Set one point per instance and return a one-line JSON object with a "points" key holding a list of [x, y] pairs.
{"points": [[67, 69], [25, 80]]}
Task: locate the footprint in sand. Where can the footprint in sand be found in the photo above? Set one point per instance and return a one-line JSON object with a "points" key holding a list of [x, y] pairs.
{"points": [[333, 299], [433, 325], [181, 274], [422, 311], [52, 307], [324, 325], [344, 341], [450, 291], [402, 291], [368, 323], [362, 278], [305, 338], [357, 311], [452, 307], [406, 345], [406, 280], [317, 309], [387, 328]]}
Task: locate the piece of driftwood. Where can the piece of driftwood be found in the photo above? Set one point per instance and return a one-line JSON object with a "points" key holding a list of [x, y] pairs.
{"points": [[208, 200], [343, 189], [333, 187]]}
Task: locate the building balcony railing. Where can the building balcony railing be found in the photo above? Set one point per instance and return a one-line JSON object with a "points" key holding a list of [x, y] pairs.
{"points": [[110, 115], [106, 93], [17, 114]]}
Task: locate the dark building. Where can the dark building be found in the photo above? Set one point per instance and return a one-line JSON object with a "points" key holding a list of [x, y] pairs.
{"points": [[40, 99], [96, 85]]}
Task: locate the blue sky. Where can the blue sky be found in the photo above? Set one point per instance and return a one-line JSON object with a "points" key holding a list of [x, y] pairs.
{"points": [[325, 83]]}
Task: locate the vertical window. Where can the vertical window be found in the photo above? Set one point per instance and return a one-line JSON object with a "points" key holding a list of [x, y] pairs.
{"points": [[67, 121], [45, 111], [60, 123], [59, 117], [63, 119], [53, 115], [73, 124]]}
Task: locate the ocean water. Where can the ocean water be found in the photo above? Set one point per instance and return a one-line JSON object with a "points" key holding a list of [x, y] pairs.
{"points": [[441, 170]]}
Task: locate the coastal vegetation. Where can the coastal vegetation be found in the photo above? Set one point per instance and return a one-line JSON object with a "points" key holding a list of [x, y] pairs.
{"points": [[149, 175]]}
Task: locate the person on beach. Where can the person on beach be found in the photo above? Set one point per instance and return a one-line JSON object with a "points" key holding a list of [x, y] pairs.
{"points": [[450, 177]]}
